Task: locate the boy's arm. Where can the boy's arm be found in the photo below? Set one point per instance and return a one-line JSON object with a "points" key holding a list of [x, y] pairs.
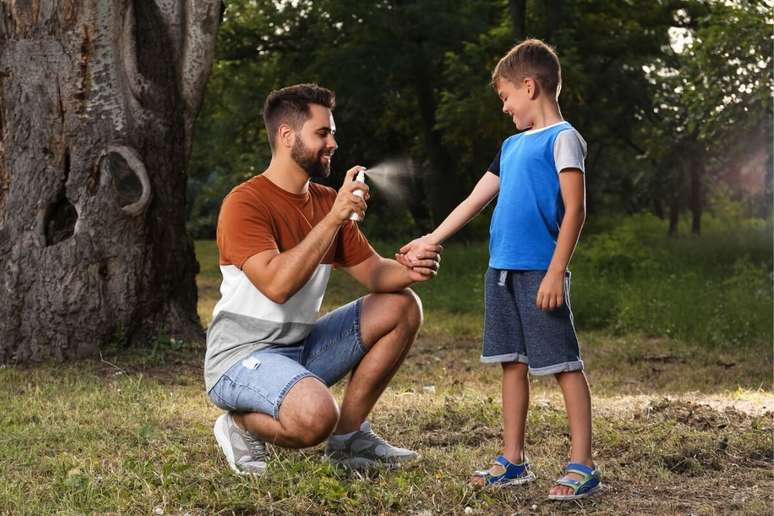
{"points": [[572, 184], [485, 190]]}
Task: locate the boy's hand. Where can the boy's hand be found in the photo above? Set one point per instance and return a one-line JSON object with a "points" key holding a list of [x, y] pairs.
{"points": [[421, 258], [551, 292], [417, 252]]}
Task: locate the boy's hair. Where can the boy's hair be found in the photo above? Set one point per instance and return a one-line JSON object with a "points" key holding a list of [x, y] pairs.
{"points": [[531, 58], [290, 105]]}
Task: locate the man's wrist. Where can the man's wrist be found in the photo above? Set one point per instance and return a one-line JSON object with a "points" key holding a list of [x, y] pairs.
{"points": [[331, 222]]}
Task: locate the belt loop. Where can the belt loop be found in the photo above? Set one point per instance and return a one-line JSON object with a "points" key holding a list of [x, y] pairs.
{"points": [[503, 278]]}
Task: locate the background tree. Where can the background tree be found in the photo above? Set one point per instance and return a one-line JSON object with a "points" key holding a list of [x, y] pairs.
{"points": [[712, 102], [97, 104], [412, 79]]}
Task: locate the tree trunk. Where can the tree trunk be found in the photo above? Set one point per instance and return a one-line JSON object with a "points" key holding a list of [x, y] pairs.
{"points": [[697, 171], [768, 176], [97, 103], [518, 11], [443, 193], [674, 214]]}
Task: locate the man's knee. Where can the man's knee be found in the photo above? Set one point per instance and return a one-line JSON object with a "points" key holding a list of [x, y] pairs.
{"points": [[411, 308], [315, 424], [309, 413]]}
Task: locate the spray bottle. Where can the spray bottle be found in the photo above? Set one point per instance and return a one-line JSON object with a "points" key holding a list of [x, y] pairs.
{"points": [[361, 178]]}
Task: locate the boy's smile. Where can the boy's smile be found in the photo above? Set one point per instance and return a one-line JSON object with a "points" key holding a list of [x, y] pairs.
{"points": [[515, 101]]}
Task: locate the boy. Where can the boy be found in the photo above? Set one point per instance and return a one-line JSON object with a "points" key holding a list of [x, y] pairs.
{"points": [[539, 176]]}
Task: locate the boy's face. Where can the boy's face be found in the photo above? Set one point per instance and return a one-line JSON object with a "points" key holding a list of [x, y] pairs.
{"points": [[516, 101]]}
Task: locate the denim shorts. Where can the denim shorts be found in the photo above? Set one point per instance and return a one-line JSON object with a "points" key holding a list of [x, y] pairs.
{"points": [[260, 382], [516, 330]]}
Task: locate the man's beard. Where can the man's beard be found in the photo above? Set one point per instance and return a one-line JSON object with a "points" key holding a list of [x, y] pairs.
{"points": [[309, 160]]}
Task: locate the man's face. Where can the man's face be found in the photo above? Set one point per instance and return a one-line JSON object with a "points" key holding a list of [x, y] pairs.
{"points": [[314, 143], [515, 101]]}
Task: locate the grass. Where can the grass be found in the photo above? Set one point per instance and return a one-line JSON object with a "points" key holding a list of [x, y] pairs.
{"points": [[682, 424]]}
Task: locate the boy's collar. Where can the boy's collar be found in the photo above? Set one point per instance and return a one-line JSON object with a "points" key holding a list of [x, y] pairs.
{"points": [[533, 131]]}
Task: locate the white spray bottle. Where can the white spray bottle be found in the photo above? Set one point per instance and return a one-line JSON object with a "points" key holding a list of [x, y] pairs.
{"points": [[361, 178]]}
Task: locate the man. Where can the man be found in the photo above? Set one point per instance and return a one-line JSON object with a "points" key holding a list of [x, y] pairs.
{"points": [[269, 362]]}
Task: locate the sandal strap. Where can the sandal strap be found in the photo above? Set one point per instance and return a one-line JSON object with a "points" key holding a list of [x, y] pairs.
{"points": [[500, 459], [580, 469], [590, 477], [569, 482]]}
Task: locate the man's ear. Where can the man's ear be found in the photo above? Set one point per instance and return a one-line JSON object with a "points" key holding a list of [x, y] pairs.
{"points": [[285, 135]]}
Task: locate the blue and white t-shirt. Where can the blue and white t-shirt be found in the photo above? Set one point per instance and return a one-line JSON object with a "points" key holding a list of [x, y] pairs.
{"points": [[529, 208]]}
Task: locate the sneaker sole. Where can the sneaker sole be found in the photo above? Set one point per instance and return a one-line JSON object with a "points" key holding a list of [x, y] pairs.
{"points": [[363, 463], [221, 436]]}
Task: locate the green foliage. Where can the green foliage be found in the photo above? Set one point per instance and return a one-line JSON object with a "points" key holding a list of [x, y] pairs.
{"points": [[627, 276], [412, 80], [714, 290]]}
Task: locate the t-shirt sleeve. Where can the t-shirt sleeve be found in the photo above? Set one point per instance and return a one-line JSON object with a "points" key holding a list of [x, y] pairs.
{"points": [[494, 167], [352, 247], [569, 151], [244, 229]]}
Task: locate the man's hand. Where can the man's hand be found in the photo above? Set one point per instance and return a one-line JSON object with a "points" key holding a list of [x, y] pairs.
{"points": [[551, 292], [346, 201]]}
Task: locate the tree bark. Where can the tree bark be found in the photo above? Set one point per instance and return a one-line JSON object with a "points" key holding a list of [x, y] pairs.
{"points": [[518, 12], [443, 194], [97, 104], [697, 172]]}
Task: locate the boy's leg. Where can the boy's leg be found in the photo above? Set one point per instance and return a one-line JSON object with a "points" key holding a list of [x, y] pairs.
{"points": [[552, 347], [577, 402], [515, 405]]}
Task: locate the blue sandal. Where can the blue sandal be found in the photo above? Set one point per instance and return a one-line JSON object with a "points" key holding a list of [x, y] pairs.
{"points": [[588, 485], [505, 473]]}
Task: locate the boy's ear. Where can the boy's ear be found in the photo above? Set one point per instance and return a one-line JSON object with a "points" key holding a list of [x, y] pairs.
{"points": [[532, 87]]}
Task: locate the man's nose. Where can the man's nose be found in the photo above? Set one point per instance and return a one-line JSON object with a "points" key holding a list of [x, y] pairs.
{"points": [[332, 142]]}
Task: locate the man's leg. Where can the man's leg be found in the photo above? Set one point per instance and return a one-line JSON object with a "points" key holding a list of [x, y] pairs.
{"points": [[307, 417], [388, 325]]}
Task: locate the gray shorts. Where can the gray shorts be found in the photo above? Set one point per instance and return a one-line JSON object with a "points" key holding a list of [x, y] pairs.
{"points": [[260, 382], [516, 330]]}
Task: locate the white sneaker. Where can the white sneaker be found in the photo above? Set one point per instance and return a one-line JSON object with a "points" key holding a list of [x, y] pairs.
{"points": [[244, 453]]}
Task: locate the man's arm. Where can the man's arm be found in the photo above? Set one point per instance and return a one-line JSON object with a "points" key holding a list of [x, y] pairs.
{"points": [[551, 292], [280, 275], [379, 274]]}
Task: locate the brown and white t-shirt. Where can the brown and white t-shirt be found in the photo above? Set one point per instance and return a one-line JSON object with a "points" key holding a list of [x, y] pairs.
{"points": [[259, 216]]}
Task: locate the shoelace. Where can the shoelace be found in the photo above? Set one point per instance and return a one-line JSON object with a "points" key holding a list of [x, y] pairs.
{"points": [[373, 435], [256, 446]]}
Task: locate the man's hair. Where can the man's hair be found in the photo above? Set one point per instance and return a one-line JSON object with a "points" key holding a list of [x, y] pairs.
{"points": [[531, 58], [290, 105]]}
